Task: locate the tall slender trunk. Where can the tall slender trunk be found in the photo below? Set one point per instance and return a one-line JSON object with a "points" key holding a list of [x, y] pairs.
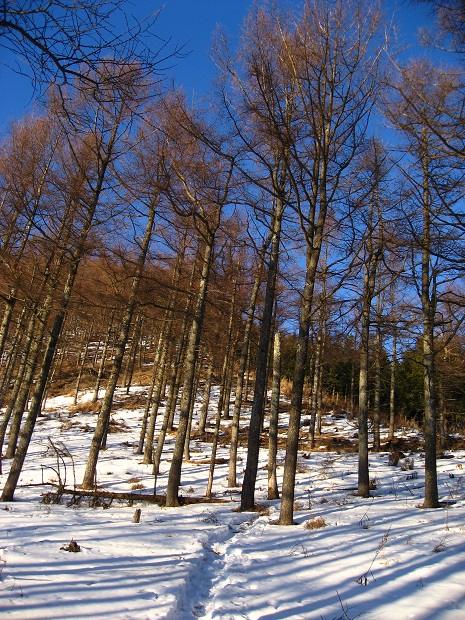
{"points": [[206, 396], [377, 389], [40, 385], [253, 444], [225, 385], [159, 370], [103, 358], [286, 516], [187, 454], [363, 464], [23, 381], [153, 381], [223, 391], [105, 410], [132, 355], [156, 398], [428, 305], [240, 385], [11, 363], [82, 366], [10, 303], [315, 391], [273, 492], [80, 248], [174, 477], [392, 387]]}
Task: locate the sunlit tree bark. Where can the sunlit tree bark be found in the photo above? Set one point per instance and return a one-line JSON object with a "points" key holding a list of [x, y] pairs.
{"points": [[338, 84], [433, 184]]}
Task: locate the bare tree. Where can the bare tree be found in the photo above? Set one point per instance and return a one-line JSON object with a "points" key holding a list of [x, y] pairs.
{"points": [[371, 202], [146, 187], [99, 122], [202, 184], [434, 180], [449, 29], [338, 84], [57, 40], [258, 96]]}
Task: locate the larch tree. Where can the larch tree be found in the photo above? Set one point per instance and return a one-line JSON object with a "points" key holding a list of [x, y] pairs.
{"points": [[55, 41], [144, 189], [434, 178], [258, 98], [201, 189], [335, 54], [94, 134], [371, 178]]}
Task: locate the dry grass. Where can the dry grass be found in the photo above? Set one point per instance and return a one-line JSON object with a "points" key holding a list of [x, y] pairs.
{"points": [[87, 407], [315, 524], [286, 387]]}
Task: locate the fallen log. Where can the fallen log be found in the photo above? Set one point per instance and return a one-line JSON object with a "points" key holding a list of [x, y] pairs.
{"points": [[128, 496]]}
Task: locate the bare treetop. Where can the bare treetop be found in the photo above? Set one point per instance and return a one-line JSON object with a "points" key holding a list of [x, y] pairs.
{"points": [[59, 40]]}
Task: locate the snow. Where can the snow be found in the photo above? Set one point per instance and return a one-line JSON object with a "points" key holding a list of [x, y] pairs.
{"points": [[379, 558]]}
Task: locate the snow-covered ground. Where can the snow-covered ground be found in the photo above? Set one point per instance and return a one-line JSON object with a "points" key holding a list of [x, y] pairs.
{"points": [[381, 558]]}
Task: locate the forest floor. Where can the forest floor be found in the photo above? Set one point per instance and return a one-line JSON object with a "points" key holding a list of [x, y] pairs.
{"points": [[347, 557]]}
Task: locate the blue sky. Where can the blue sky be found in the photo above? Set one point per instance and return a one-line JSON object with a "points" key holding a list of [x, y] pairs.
{"points": [[188, 22]]}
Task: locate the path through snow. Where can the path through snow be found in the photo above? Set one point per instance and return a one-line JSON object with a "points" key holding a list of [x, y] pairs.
{"points": [[211, 574]]}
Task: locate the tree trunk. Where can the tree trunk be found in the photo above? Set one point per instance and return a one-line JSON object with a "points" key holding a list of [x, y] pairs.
{"points": [[105, 410], [240, 385], [286, 516], [253, 444], [428, 303], [40, 385], [81, 367], [153, 381], [377, 388], [86, 219], [158, 377], [156, 398], [7, 315], [273, 492], [224, 395], [174, 478], [206, 396], [363, 465], [25, 377], [101, 367], [392, 387], [195, 386], [316, 382], [132, 356]]}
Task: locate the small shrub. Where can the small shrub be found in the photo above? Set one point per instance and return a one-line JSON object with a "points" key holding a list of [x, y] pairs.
{"points": [[262, 510], [286, 387], [73, 547], [407, 464], [315, 524], [394, 458], [67, 425], [86, 407]]}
